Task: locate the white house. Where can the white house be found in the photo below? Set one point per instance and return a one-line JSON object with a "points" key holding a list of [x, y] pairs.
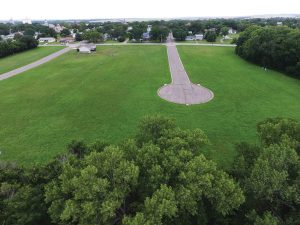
{"points": [[58, 28], [199, 37], [46, 39], [149, 28], [231, 31], [10, 36], [190, 38], [279, 23]]}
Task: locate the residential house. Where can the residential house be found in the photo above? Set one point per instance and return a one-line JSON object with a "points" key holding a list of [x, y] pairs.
{"points": [[58, 28], [106, 36], [11, 36], [190, 38], [66, 40], [146, 36], [46, 39], [279, 23], [149, 28], [231, 31], [199, 37]]}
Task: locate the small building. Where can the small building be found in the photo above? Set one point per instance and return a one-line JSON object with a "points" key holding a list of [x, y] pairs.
{"points": [[67, 40], [86, 48], [279, 23], [199, 37], [47, 39]]}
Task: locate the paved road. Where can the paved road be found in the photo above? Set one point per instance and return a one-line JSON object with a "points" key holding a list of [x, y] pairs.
{"points": [[33, 65], [178, 43], [182, 90]]}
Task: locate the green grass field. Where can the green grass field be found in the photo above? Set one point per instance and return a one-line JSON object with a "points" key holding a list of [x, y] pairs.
{"points": [[104, 95], [21, 59]]}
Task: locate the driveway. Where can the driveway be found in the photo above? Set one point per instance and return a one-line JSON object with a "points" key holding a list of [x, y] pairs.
{"points": [[33, 65], [182, 90]]}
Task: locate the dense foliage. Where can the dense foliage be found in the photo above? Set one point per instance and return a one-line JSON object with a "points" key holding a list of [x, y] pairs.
{"points": [[159, 33], [272, 47], [160, 177], [179, 34], [19, 44], [269, 174], [93, 36], [211, 36]]}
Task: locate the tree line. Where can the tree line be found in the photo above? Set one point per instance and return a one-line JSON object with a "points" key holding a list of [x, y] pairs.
{"points": [[160, 177], [271, 47], [20, 43]]}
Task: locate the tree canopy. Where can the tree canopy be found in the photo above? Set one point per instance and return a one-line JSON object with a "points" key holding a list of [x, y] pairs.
{"points": [[159, 177], [272, 47]]}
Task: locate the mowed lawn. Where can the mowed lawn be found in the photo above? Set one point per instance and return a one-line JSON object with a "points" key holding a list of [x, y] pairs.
{"points": [[23, 58], [104, 95]]}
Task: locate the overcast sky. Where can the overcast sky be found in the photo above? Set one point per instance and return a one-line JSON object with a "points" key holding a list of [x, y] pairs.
{"points": [[88, 9]]}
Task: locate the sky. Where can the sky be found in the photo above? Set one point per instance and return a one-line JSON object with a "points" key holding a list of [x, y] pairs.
{"points": [[103, 9]]}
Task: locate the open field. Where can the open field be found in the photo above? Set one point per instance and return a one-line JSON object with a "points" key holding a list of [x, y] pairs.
{"points": [[21, 59], [103, 96]]}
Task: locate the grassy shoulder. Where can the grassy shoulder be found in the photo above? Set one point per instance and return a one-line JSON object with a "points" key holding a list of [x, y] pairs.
{"points": [[104, 95], [21, 59]]}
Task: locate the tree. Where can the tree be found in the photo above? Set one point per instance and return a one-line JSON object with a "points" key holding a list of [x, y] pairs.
{"points": [[93, 36], [179, 34], [159, 33], [78, 37], [29, 32], [19, 44], [65, 32], [224, 31], [137, 31], [269, 174], [121, 39], [210, 36], [272, 47], [159, 178]]}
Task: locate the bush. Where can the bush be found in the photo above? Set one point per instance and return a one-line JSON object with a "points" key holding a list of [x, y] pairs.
{"points": [[121, 39]]}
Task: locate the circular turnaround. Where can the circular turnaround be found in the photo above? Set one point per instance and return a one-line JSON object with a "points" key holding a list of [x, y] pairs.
{"points": [[188, 94]]}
